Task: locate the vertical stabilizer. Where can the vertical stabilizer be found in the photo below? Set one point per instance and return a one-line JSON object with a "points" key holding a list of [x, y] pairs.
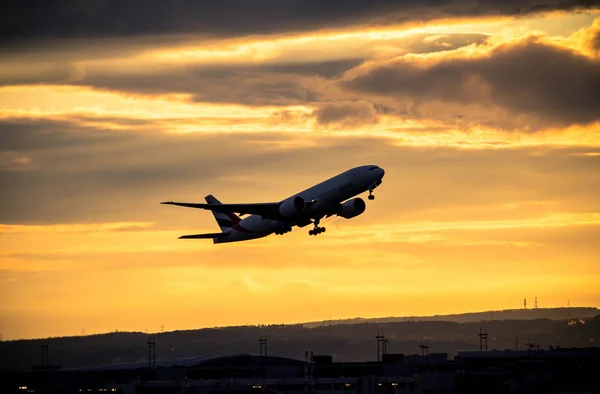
{"points": [[224, 220]]}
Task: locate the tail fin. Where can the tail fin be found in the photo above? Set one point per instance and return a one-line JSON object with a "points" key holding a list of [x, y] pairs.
{"points": [[224, 220]]}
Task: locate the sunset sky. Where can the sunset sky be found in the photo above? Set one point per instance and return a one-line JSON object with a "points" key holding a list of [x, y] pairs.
{"points": [[485, 116]]}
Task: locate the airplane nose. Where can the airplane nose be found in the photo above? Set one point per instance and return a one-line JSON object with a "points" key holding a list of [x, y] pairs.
{"points": [[382, 172]]}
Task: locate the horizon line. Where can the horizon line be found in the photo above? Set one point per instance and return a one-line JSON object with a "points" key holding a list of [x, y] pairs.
{"points": [[323, 322]]}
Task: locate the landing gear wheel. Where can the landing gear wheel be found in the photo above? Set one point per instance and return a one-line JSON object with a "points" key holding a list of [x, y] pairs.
{"points": [[371, 196], [283, 230], [317, 231]]}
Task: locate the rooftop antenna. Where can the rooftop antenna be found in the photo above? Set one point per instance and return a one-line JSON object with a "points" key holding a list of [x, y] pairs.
{"points": [[379, 338], [151, 353], [482, 338], [263, 343]]}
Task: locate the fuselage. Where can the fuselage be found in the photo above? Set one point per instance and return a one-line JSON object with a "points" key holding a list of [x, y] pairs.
{"points": [[327, 194]]}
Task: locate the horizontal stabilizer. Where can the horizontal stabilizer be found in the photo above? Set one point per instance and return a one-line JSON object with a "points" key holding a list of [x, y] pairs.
{"points": [[204, 236]]}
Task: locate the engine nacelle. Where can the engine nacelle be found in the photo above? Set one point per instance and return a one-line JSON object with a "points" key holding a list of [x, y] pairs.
{"points": [[352, 208], [292, 207]]}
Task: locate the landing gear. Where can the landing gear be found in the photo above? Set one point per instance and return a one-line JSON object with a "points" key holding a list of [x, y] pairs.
{"points": [[371, 196], [317, 230], [283, 230]]}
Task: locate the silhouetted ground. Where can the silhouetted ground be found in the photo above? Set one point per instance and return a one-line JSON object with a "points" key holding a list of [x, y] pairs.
{"points": [[506, 314], [346, 342]]}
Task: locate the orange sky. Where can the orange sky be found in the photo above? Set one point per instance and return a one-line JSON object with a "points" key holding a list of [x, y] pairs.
{"points": [[488, 130]]}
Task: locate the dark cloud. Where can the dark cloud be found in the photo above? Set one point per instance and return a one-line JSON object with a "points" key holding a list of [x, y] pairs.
{"points": [[48, 72], [44, 134], [281, 82], [553, 85], [326, 69], [274, 85], [347, 113], [27, 20]]}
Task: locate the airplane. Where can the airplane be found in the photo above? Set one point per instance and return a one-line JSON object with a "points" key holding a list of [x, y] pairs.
{"points": [[325, 199]]}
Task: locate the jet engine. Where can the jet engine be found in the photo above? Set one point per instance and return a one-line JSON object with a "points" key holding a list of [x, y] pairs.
{"points": [[352, 208], [292, 207]]}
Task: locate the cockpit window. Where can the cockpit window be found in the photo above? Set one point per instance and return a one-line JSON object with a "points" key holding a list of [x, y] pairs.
{"points": [[373, 168]]}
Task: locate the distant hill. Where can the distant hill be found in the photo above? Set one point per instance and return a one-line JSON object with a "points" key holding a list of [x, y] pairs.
{"points": [[353, 341], [506, 314]]}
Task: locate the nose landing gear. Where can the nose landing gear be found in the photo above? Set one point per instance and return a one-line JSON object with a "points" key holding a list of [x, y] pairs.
{"points": [[371, 196]]}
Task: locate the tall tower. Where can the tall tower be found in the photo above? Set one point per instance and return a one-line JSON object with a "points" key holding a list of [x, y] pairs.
{"points": [[524, 303], [151, 353], [482, 339], [45, 357], [535, 302], [424, 349], [263, 344], [380, 339], [385, 342]]}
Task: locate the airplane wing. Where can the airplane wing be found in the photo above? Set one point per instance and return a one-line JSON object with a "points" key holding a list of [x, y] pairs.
{"points": [[266, 210], [203, 236]]}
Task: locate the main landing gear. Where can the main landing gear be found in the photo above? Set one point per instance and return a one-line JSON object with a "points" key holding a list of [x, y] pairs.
{"points": [[317, 230], [283, 230]]}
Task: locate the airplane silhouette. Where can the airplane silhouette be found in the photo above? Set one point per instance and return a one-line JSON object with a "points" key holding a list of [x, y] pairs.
{"points": [[307, 207]]}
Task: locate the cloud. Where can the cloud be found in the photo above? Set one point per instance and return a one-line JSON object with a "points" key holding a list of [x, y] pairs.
{"points": [[76, 228], [347, 114], [294, 76], [27, 73], [594, 33], [86, 175], [270, 84], [13, 161], [534, 82], [29, 20]]}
